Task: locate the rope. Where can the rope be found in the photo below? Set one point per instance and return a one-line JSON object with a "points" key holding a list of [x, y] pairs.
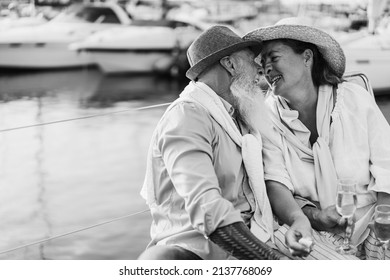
{"points": [[72, 232], [85, 117]]}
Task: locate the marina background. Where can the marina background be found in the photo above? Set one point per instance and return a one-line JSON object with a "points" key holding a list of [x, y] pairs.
{"points": [[67, 176]]}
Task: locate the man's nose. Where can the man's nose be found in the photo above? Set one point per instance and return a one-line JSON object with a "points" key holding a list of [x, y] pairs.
{"points": [[260, 71]]}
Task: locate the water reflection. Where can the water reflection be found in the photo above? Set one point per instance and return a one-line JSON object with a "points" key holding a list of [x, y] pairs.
{"points": [[91, 87], [112, 89], [27, 85], [42, 211]]}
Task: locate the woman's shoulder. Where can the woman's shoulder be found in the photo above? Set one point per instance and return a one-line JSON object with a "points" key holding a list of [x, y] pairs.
{"points": [[353, 90], [354, 96]]}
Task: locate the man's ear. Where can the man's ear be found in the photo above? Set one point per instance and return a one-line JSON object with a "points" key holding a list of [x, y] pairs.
{"points": [[228, 64]]}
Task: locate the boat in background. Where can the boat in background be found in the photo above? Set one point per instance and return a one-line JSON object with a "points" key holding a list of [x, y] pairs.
{"points": [[46, 46], [143, 47], [8, 20], [369, 53], [16, 15]]}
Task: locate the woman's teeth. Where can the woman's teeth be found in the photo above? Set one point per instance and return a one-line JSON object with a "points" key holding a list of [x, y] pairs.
{"points": [[275, 79]]}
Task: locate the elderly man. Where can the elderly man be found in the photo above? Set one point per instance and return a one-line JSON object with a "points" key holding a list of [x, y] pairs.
{"points": [[204, 181]]}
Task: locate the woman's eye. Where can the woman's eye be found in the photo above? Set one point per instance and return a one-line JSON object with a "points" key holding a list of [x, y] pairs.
{"points": [[274, 58]]}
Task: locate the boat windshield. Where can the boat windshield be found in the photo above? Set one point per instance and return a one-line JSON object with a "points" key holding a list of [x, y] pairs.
{"points": [[88, 14]]}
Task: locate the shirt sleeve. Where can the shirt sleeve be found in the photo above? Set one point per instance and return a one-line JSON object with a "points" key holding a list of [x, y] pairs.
{"points": [[274, 163], [302, 202], [185, 143], [275, 170], [378, 131]]}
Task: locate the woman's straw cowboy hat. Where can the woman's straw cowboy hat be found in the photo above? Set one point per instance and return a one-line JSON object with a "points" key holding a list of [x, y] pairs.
{"points": [[212, 45], [296, 29]]}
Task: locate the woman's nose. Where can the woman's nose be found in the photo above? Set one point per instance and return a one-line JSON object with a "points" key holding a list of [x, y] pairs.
{"points": [[267, 69]]}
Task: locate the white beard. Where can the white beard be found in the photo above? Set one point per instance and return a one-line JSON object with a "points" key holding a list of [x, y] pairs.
{"points": [[249, 100]]}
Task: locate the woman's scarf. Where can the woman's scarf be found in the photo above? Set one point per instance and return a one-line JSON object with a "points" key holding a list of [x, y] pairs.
{"points": [[326, 178]]}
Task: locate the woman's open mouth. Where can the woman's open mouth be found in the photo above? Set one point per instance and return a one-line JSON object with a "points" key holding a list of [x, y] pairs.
{"points": [[272, 81], [275, 79]]}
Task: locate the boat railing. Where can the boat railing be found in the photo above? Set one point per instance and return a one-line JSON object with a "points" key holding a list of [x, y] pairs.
{"points": [[359, 78]]}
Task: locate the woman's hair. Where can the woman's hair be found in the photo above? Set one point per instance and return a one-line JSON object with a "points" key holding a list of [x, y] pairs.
{"points": [[321, 72]]}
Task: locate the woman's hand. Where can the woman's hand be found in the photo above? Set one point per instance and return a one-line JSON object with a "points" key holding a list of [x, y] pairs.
{"points": [[327, 219], [299, 237], [332, 221]]}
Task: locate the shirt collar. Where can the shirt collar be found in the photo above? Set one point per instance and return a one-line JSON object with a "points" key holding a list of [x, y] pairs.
{"points": [[229, 108], [286, 114], [290, 118]]}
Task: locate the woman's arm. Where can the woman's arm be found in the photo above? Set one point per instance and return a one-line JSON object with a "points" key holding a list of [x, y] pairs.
{"points": [[283, 203], [288, 211], [327, 219]]}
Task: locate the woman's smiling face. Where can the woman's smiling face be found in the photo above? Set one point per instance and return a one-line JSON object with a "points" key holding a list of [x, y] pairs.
{"points": [[284, 69]]}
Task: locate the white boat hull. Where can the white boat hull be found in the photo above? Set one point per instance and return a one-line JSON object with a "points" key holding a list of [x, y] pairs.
{"points": [[140, 48], [375, 64], [132, 62], [369, 54], [41, 56], [46, 46]]}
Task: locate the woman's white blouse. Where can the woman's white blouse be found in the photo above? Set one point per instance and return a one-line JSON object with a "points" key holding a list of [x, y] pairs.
{"points": [[359, 142]]}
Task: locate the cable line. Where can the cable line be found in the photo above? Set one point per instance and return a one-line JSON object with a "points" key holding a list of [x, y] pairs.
{"points": [[85, 117], [72, 232]]}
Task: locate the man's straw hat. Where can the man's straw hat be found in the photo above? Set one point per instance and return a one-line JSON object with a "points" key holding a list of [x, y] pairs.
{"points": [[212, 45], [296, 29]]}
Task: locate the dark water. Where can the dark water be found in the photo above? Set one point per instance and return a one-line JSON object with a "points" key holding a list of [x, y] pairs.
{"points": [[65, 176]]}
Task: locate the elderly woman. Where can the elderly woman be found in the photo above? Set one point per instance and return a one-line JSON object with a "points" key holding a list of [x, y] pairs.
{"points": [[328, 129]]}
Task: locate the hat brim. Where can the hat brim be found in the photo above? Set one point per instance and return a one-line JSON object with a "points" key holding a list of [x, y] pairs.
{"points": [[194, 71], [326, 44]]}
